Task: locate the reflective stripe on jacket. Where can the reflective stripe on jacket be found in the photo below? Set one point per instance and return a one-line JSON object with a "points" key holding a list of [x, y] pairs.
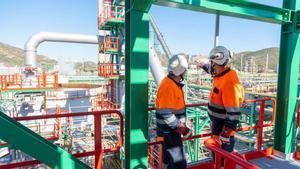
{"points": [[226, 97], [170, 105]]}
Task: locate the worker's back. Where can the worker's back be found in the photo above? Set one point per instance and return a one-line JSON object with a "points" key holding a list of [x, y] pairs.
{"points": [[170, 95]]}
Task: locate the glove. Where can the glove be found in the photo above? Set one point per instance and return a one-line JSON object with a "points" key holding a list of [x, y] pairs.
{"points": [[202, 62], [201, 65], [205, 66], [185, 131], [216, 139], [226, 134]]}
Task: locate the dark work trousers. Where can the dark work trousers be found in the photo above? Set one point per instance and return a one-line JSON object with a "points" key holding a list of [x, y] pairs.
{"points": [[216, 126], [173, 153]]}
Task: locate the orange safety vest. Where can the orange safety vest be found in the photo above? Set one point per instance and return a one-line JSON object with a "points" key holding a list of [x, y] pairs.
{"points": [[226, 97], [170, 105]]}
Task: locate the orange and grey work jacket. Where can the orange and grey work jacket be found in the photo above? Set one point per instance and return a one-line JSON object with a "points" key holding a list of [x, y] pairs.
{"points": [[226, 97], [170, 105]]}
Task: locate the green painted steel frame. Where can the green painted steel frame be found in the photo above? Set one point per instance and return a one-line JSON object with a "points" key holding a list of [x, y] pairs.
{"points": [[136, 84], [36, 146], [196, 114], [137, 42], [285, 128], [235, 8]]}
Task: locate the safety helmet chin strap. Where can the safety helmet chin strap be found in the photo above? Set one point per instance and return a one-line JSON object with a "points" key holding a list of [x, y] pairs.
{"points": [[182, 77], [212, 69], [181, 82]]}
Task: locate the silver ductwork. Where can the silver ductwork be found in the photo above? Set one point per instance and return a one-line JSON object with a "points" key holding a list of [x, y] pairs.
{"points": [[35, 40], [155, 66]]}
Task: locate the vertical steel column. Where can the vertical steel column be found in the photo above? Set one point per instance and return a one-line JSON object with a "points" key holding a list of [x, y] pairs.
{"points": [[45, 80], [253, 117], [287, 84], [45, 102], [98, 141], [260, 124], [136, 83], [217, 30], [200, 128], [196, 141], [190, 152]]}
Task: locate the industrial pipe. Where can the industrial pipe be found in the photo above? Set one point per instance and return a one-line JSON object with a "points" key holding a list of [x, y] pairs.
{"points": [[35, 40], [155, 66]]}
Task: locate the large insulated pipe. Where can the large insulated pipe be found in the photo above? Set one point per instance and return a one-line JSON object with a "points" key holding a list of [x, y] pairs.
{"points": [[155, 66], [35, 40], [160, 37]]}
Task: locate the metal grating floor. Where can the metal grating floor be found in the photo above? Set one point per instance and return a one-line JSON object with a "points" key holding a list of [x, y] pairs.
{"points": [[276, 163]]}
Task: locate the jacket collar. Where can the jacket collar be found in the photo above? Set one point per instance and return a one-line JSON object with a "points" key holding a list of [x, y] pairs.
{"points": [[178, 84], [223, 73]]}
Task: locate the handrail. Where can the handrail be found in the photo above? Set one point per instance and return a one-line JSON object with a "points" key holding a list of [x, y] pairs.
{"points": [[18, 82], [230, 160], [188, 105], [109, 69], [114, 13], [97, 130], [260, 126], [49, 116]]}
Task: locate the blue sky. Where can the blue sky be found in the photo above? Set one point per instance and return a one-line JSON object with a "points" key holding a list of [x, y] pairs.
{"points": [[184, 31]]}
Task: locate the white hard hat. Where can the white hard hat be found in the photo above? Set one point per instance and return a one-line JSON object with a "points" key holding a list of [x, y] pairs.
{"points": [[177, 64], [220, 55]]}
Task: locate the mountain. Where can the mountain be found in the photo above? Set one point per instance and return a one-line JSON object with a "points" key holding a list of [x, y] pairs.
{"points": [[87, 66], [259, 58], [13, 56]]}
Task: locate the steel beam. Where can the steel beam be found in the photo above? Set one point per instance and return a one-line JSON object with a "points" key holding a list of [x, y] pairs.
{"points": [[136, 86], [36, 146], [141, 5], [235, 8], [289, 56]]}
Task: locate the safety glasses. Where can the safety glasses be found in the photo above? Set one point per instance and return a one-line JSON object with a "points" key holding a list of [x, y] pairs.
{"points": [[216, 56]]}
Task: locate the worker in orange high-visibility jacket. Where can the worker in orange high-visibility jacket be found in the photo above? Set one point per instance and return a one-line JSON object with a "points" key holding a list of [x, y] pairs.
{"points": [[171, 113], [226, 97]]}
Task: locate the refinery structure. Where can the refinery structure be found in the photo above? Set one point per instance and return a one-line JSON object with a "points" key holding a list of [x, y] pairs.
{"points": [[49, 120]]}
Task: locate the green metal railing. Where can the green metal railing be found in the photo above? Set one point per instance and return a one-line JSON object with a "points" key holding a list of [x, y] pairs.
{"points": [[11, 131]]}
